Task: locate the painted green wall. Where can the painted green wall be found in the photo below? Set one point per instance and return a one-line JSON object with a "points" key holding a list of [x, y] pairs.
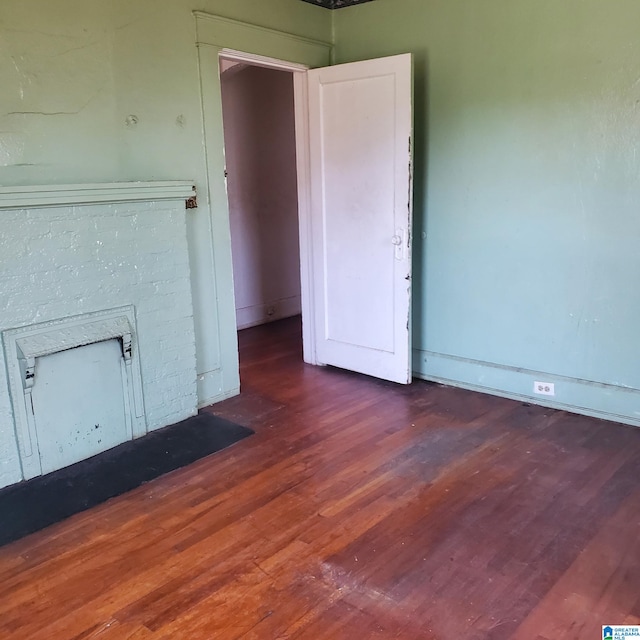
{"points": [[72, 71], [527, 190]]}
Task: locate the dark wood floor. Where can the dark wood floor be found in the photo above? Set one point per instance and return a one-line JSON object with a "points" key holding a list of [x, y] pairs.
{"points": [[359, 510]]}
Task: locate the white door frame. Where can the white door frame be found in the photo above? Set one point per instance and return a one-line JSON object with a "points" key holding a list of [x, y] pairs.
{"points": [[210, 240], [303, 171]]}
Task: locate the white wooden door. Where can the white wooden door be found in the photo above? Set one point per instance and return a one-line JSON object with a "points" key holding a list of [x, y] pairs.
{"points": [[360, 117]]}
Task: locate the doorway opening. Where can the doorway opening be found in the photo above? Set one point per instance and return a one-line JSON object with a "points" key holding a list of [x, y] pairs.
{"points": [[258, 106]]}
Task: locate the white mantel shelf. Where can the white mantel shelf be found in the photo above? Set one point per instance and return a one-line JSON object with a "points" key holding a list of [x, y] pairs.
{"points": [[63, 195]]}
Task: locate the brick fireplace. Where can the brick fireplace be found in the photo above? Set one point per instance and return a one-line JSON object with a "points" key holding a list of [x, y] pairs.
{"points": [[96, 320]]}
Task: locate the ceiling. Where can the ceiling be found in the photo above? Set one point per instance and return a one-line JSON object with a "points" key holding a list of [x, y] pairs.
{"points": [[335, 4]]}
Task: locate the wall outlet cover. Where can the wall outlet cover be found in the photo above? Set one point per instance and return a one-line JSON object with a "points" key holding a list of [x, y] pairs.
{"points": [[544, 388]]}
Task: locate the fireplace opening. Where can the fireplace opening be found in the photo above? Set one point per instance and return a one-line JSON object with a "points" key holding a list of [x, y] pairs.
{"points": [[75, 386]]}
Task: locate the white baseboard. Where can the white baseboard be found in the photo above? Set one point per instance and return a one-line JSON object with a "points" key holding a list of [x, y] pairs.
{"points": [[268, 312]]}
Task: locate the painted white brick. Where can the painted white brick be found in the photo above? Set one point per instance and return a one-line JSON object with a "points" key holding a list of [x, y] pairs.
{"points": [[64, 261]]}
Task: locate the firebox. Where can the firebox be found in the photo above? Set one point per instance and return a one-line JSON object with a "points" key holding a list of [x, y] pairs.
{"points": [[75, 387]]}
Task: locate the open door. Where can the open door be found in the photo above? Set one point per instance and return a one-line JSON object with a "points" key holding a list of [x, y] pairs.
{"points": [[360, 126]]}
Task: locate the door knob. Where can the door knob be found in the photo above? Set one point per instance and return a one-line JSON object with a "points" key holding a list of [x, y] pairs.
{"points": [[396, 241]]}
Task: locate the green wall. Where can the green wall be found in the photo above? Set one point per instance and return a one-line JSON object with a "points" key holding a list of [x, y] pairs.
{"points": [[72, 71], [527, 212]]}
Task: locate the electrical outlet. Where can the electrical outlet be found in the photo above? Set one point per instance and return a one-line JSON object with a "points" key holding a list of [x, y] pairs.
{"points": [[544, 388]]}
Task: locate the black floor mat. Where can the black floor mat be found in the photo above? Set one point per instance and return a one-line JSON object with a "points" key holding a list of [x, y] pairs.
{"points": [[42, 501]]}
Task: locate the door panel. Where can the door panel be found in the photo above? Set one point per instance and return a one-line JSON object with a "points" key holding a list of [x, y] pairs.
{"points": [[360, 141]]}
